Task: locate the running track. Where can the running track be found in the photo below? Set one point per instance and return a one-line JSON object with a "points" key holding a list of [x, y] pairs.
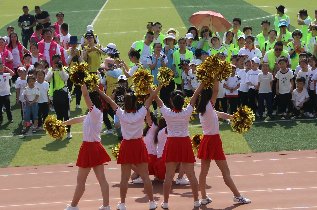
{"points": [[284, 180]]}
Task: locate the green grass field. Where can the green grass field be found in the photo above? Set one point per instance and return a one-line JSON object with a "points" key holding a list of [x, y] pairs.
{"points": [[122, 22]]}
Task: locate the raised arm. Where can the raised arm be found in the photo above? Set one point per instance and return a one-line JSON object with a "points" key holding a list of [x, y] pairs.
{"points": [[196, 94], [215, 90], [86, 96], [148, 118], [74, 120], [153, 94], [113, 105], [223, 115]]}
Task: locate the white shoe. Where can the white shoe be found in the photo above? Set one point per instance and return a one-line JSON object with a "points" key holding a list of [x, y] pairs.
{"points": [[164, 205], [77, 106], [121, 206], [108, 132], [69, 135], [206, 200], [153, 205], [69, 207], [104, 208], [137, 181], [197, 204], [310, 115], [241, 200], [182, 181]]}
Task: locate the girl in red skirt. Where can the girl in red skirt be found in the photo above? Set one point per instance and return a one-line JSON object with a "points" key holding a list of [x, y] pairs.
{"points": [[92, 154], [210, 147], [133, 151], [178, 148]]}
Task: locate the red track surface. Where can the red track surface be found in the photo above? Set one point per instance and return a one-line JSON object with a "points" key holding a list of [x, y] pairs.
{"points": [[284, 180]]}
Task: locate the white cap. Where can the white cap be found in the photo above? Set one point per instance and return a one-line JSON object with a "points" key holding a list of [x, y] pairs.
{"points": [[21, 68], [112, 46], [189, 36], [90, 28], [122, 77], [241, 36], [170, 36], [256, 60]]}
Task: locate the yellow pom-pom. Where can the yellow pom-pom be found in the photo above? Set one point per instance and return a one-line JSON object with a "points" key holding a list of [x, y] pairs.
{"points": [[164, 76], [142, 81], [115, 150], [196, 139], [78, 73], [92, 81], [212, 69], [242, 119], [55, 128]]}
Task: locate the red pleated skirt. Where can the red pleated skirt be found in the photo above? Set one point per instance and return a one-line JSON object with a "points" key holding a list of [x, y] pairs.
{"points": [[92, 154], [178, 149], [133, 151], [160, 169], [152, 162], [210, 148]]}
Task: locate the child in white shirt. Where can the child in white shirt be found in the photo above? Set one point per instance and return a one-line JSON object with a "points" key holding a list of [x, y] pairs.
{"points": [[284, 86], [265, 91], [304, 72], [186, 85], [192, 75], [231, 86], [311, 85], [20, 85], [43, 88], [242, 74], [221, 99], [5, 76], [31, 95], [300, 98], [252, 81]]}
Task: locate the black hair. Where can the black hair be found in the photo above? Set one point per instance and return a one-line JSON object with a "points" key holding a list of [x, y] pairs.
{"points": [[177, 99], [198, 53], [303, 12], [157, 44], [203, 31], [135, 53], [56, 56], [64, 26], [147, 128], [297, 31], [300, 79], [36, 64], [26, 55], [60, 13], [157, 23], [45, 64], [38, 27], [282, 58], [234, 57], [196, 38], [250, 37], [237, 19], [45, 30], [149, 33], [34, 44], [40, 71], [95, 99], [130, 102], [29, 78], [203, 100], [246, 28], [272, 31], [10, 43], [278, 43], [10, 27], [181, 39], [37, 7], [227, 33], [161, 125], [25, 7], [313, 57], [266, 21]]}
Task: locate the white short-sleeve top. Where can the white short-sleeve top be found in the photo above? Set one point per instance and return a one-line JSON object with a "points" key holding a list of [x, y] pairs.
{"points": [[132, 124], [149, 140], [209, 121], [161, 140], [92, 125]]}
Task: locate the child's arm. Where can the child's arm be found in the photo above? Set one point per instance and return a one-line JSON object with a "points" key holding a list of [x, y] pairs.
{"points": [[35, 99], [292, 85], [196, 94], [86, 96], [148, 119], [74, 120], [9, 71], [277, 87], [113, 105], [225, 86], [153, 94], [215, 90], [236, 87]]}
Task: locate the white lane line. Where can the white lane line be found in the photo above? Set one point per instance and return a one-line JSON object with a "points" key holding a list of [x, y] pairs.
{"points": [[33, 173], [102, 8], [289, 189], [291, 207]]}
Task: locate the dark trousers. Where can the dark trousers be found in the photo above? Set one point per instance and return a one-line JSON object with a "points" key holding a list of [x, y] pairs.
{"points": [[165, 93], [5, 101], [268, 99], [61, 105], [69, 85], [15, 76], [188, 93], [305, 108], [178, 86], [252, 98], [25, 39], [233, 104], [42, 113], [78, 93], [223, 103], [244, 100], [284, 102], [106, 120], [312, 101]]}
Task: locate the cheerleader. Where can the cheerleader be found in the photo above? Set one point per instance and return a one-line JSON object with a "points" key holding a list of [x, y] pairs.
{"points": [[92, 154], [133, 151], [178, 148], [210, 147]]}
